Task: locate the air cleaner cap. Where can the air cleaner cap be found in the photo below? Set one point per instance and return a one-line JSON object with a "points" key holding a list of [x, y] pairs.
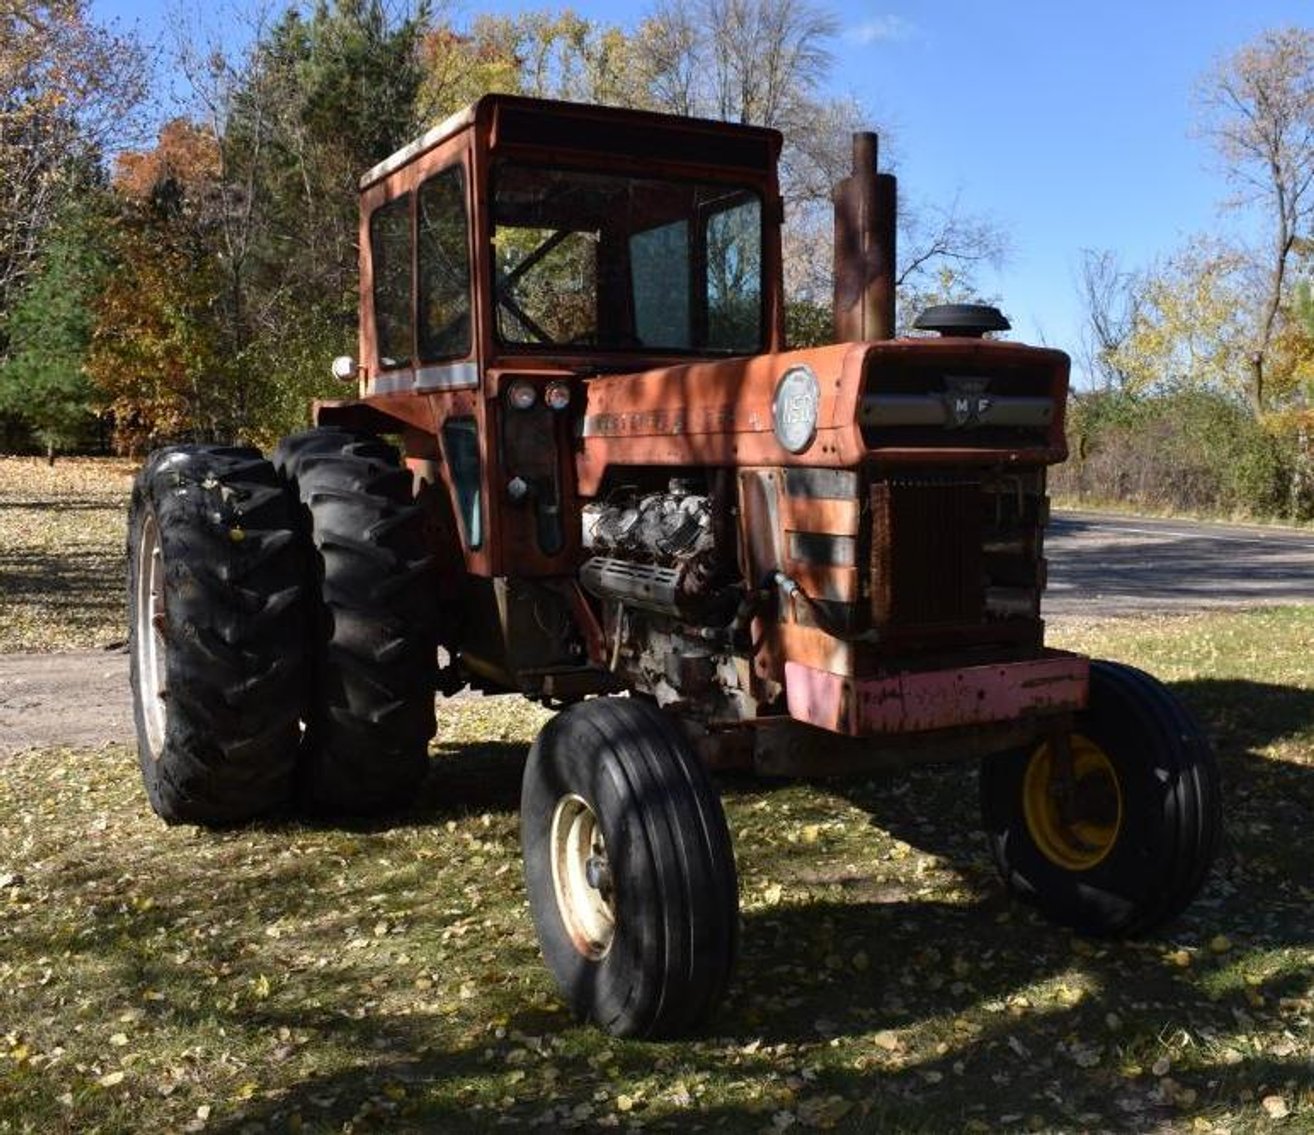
{"points": [[963, 320]]}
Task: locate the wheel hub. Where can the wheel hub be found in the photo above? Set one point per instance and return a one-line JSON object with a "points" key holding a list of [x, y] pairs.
{"points": [[581, 877], [1072, 803], [149, 640]]}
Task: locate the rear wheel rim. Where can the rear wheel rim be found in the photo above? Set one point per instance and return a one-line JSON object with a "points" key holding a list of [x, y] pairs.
{"points": [[1074, 822], [581, 877], [149, 638]]}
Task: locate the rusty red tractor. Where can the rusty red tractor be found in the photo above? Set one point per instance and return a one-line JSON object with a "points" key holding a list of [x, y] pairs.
{"points": [[607, 475]]}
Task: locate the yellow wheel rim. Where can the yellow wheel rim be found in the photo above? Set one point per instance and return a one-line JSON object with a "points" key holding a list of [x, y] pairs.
{"points": [[1074, 820]]}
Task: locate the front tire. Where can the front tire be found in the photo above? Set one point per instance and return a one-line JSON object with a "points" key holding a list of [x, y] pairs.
{"points": [[216, 616], [373, 634], [629, 869], [1116, 837]]}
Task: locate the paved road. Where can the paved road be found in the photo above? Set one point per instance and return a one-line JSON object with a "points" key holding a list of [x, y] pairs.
{"points": [[1099, 567], [1105, 566]]}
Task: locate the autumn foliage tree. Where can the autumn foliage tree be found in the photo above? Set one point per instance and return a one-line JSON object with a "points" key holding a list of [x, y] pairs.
{"points": [[1217, 336], [1259, 114], [69, 91], [157, 353]]}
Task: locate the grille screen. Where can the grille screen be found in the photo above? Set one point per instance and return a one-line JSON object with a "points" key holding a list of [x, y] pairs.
{"points": [[926, 552]]}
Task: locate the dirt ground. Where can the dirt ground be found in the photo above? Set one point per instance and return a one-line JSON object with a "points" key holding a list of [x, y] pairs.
{"points": [[77, 698]]}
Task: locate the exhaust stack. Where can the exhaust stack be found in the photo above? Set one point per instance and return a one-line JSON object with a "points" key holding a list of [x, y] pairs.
{"points": [[866, 208]]}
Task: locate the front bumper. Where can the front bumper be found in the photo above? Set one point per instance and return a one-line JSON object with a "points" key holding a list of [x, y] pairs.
{"points": [[917, 702]]}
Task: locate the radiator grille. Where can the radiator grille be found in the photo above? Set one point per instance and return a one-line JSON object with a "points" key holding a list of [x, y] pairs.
{"points": [[926, 552]]}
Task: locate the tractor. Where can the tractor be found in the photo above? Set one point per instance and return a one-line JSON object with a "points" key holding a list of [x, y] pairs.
{"points": [[578, 461]]}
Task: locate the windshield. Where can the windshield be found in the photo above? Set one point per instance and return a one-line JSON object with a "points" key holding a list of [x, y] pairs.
{"points": [[606, 261]]}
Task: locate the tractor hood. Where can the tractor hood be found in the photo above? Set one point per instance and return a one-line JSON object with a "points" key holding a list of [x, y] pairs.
{"points": [[904, 401]]}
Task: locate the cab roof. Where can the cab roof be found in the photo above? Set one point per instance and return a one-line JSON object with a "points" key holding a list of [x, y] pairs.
{"points": [[514, 121]]}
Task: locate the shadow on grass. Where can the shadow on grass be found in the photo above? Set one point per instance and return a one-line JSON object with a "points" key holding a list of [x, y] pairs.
{"points": [[462, 779], [479, 777], [1257, 890], [62, 504], [916, 1014], [932, 1069], [926, 965], [78, 579]]}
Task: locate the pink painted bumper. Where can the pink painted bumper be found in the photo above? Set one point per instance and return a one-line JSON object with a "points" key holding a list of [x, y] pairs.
{"points": [[938, 699]]}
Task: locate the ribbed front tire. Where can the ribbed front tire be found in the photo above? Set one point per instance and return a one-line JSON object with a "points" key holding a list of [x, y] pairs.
{"points": [[1117, 836], [629, 869]]}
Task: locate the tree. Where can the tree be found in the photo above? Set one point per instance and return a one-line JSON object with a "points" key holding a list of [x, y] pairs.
{"points": [[1190, 328], [249, 206], [1259, 108], [1114, 301], [760, 62], [68, 92], [157, 353], [315, 102], [44, 383], [941, 251]]}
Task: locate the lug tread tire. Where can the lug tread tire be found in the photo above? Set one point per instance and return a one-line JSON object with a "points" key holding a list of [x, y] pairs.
{"points": [[373, 637], [233, 634], [676, 891], [1172, 808]]}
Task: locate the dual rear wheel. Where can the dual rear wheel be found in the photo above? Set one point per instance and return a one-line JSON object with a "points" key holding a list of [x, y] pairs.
{"points": [[282, 629]]}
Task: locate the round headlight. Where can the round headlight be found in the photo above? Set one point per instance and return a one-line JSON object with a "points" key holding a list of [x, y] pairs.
{"points": [[794, 408], [557, 395], [520, 394], [344, 368]]}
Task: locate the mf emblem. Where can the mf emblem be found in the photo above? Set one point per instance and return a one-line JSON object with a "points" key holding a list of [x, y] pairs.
{"points": [[965, 401], [795, 407]]}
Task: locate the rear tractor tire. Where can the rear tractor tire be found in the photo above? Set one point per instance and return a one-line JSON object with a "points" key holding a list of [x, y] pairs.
{"points": [[373, 633], [1117, 835], [629, 869], [216, 634]]}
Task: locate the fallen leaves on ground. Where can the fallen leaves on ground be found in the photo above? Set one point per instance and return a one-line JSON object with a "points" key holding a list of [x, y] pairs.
{"points": [[297, 978], [63, 569]]}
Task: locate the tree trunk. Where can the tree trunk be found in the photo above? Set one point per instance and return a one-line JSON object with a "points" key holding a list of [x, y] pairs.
{"points": [[1255, 392]]}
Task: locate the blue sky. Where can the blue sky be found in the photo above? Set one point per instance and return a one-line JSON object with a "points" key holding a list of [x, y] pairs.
{"points": [[1068, 123]]}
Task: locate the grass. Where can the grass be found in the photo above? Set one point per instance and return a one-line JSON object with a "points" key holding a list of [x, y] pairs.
{"points": [[303, 978], [62, 568], [1088, 502], [293, 977]]}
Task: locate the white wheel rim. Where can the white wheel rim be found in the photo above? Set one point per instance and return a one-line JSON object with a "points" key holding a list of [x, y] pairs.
{"points": [[149, 637], [581, 877]]}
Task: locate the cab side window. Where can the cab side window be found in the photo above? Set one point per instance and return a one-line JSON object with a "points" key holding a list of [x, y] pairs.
{"points": [[390, 257], [444, 261], [734, 276]]}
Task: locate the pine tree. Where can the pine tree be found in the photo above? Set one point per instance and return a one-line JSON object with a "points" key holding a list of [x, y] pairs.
{"points": [[44, 382]]}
